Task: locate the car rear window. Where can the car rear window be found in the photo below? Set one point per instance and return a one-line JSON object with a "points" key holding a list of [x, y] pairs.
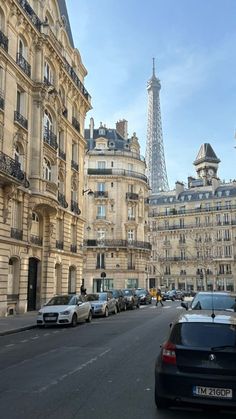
{"points": [[217, 302], [203, 334]]}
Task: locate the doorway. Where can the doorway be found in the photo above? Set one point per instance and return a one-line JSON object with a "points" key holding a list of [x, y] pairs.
{"points": [[32, 284]]}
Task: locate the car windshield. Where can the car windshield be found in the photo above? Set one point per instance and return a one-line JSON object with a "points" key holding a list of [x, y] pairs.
{"points": [[204, 335], [140, 291], [127, 292], [61, 300], [100, 296], [213, 301]]}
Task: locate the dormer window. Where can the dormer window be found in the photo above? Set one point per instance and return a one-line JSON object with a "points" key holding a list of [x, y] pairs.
{"points": [[102, 131]]}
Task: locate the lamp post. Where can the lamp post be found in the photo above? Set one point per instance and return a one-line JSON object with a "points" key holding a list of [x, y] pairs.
{"points": [[103, 276]]}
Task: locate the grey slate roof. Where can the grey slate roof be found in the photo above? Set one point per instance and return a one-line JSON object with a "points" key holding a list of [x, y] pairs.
{"points": [[115, 140], [63, 11], [206, 154]]}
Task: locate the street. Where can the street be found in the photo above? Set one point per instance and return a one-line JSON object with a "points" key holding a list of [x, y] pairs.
{"points": [[100, 370]]}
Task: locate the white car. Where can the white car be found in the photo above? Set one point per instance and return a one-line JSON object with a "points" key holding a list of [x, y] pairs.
{"points": [[65, 309]]}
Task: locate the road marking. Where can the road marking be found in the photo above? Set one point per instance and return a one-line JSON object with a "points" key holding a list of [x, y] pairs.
{"points": [[9, 345], [24, 341], [35, 337], [74, 371]]}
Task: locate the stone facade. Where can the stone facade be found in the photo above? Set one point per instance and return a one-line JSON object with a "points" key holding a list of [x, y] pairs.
{"points": [[43, 104], [116, 207], [193, 231]]}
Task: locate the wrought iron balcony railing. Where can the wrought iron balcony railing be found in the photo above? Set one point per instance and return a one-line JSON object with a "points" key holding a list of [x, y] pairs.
{"points": [[76, 80], [59, 244], [23, 64], [2, 103], [131, 267], [74, 165], [20, 119], [117, 172], [3, 41], [50, 138], [31, 14], [16, 233], [12, 168], [118, 243], [62, 154], [131, 217], [132, 196], [36, 240], [100, 194], [62, 200], [73, 248], [176, 211], [75, 207], [76, 124]]}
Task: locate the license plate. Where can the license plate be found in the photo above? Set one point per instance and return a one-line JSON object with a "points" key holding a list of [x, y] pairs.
{"points": [[50, 318], [222, 393]]}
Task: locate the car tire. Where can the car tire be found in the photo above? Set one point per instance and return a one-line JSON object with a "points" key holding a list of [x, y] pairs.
{"points": [[161, 402], [125, 307], [118, 308], [89, 318], [138, 305], [74, 320], [106, 313]]}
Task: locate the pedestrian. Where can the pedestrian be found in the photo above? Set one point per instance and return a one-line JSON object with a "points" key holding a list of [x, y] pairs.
{"points": [[159, 298], [83, 290]]}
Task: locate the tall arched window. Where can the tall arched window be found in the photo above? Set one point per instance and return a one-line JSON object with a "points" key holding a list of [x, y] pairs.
{"points": [[72, 280], [47, 169], [48, 73], [48, 121], [13, 276]]}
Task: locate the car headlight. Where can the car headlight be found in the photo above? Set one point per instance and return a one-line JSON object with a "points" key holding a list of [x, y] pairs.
{"points": [[65, 313]]}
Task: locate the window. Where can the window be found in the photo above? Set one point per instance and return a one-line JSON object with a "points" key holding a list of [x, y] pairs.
{"points": [[47, 170], [101, 234], [182, 254], [130, 236], [72, 280], [197, 221], [101, 164], [227, 204], [48, 74], [207, 220], [20, 101], [130, 261], [130, 188], [101, 187], [47, 122], [181, 222], [16, 214], [131, 213], [100, 261], [101, 211], [226, 235], [226, 219], [132, 283], [18, 156], [35, 224], [75, 152], [73, 234], [60, 229], [207, 206], [218, 219], [218, 205], [228, 251]]}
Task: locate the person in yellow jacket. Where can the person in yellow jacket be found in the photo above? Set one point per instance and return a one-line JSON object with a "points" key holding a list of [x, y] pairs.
{"points": [[159, 297]]}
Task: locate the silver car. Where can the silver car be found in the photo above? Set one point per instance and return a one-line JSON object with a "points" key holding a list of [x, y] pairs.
{"points": [[65, 309], [102, 303]]}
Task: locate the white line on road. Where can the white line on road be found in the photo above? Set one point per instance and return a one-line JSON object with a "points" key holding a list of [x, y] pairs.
{"points": [[9, 345], [64, 376]]}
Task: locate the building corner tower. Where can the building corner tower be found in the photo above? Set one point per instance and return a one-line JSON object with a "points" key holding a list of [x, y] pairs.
{"points": [[155, 158]]}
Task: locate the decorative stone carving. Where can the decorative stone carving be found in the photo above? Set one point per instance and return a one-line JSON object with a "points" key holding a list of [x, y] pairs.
{"points": [[9, 193]]}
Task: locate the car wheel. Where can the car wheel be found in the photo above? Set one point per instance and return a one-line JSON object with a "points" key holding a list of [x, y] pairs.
{"points": [[115, 310], [89, 319], [161, 402], [118, 308], [125, 307], [74, 320], [106, 313], [138, 305]]}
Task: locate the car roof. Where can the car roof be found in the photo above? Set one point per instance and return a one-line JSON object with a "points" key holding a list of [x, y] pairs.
{"points": [[207, 316], [216, 293]]}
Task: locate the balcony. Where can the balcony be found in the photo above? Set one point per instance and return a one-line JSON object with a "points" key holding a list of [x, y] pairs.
{"points": [[20, 119], [62, 154], [62, 200], [50, 138], [16, 234], [74, 165], [36, 240], [73, 248], [76, 124], [76, 80], [131, 217], [100, 194], [131, 196], [131, 267], [100, 217], [75, 207], [11, 167], [118, 244], [117, 172], [3, 41], [31, 14], [2, 103], [59, 244], [23, 64]]}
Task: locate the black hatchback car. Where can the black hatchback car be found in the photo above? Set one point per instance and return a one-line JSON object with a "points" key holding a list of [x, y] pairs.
{"points": [[197, 363], [131, 298], [120, 299]]}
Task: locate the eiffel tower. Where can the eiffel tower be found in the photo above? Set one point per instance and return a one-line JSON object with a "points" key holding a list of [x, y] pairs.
{"points": [[155, 158]]}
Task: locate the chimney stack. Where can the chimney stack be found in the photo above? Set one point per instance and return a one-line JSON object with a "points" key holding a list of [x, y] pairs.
{"points": [[91, 127], [122, 128]]}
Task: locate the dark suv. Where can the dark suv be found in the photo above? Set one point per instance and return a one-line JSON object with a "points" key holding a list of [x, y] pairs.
{"points": [[212, 300], [120, 299], [197, 363], [131, 298]]}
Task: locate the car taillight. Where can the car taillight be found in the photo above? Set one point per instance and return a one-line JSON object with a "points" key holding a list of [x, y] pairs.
{"points": [[168, 353]]}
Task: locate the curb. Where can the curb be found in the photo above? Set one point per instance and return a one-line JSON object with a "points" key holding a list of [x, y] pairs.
{"points": [[19, 329]]}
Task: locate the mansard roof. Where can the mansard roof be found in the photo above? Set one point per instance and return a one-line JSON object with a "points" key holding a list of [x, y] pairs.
{"points": [[65, 18], [115, 140]]}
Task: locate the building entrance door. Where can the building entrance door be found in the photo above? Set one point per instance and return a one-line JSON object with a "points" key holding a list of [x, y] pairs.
{"points": [[32, 284]]}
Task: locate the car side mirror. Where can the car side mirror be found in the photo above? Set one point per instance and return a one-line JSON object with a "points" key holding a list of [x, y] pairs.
{"points": [[79, 303], [184, 305], [170, 325]]}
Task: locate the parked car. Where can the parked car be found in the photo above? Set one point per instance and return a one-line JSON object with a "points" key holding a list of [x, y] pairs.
{"points": [[212, 300], [64, 309], [144, 295], [197, 363], [131, 298], [120, 299], [102, 303], [173, 295]]}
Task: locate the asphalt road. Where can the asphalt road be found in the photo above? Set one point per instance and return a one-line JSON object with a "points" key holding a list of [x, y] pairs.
{"points": [[100, 370]]}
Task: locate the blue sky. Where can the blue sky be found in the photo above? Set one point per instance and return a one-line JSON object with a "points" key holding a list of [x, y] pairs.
{"points": [[194, 43]]}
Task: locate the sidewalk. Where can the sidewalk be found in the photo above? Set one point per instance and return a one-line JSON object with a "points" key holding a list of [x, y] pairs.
{"points": [[17, 323]]}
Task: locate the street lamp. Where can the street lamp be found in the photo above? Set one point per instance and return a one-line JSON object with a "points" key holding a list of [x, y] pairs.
{"points": [[87, 191], [103, 275]]}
